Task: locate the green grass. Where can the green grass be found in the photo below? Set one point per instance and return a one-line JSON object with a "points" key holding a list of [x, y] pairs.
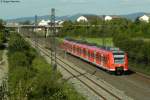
{"points": [[98, 41]]}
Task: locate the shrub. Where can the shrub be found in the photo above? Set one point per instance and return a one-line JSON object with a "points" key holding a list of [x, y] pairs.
{"points": [[18, 59], [16, 43]]}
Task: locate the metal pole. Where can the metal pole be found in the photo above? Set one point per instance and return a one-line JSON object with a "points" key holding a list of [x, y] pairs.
{"points": [[36, 45], [53, 27], [103, 28]]}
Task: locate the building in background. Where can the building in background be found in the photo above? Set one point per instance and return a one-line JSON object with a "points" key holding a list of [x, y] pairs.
{"points": [[107, 18], [88, 18], [82, 19], [113, 17], [44, 23], [144, 18]]}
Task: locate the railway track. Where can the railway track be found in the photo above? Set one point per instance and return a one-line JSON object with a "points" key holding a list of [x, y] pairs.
{"points": [[98, 89]]}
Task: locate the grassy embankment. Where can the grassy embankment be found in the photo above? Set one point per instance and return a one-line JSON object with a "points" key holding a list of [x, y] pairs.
{"points": [[32, 78]]}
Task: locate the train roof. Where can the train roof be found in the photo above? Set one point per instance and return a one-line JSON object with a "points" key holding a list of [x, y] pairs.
{"points": [[94, 46]]}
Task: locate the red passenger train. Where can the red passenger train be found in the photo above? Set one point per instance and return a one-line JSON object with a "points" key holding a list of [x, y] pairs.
{"points": [[110, 59]]}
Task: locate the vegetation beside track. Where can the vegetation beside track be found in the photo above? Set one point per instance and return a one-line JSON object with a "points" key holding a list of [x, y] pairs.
{"points": [[32, 78]]}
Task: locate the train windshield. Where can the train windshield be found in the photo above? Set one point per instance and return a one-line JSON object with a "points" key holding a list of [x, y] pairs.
{"points": [[119, 57]]}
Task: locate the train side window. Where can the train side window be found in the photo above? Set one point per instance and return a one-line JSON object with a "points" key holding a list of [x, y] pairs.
{"points": [[97, 56], [80, 51], [71, 47], [74, 48], [100, 57], [104, 59], [83, 51], [92, 54]]}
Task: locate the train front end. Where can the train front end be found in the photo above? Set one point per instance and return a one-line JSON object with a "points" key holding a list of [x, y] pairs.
{"points": [[120, 62]]}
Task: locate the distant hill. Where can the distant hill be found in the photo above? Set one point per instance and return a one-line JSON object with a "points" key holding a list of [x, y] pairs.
{"points": [[132, 17], [46, 17]]}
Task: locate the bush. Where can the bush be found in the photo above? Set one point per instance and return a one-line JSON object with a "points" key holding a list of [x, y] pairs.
{"points": [[16, 43], [2, 38], [18, 59], [48, 84]]}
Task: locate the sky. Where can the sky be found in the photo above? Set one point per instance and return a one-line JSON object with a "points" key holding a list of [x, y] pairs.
{"points": [[69, 7]]}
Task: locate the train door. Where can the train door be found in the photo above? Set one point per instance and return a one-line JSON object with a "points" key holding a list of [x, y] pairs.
{"points": [[108, 61], [84, 53], [97, 58], [105, 61], [74, 49], [102, 59], [68, 47], [111, 61], [71, 47], [91, 55], [80, 51]]}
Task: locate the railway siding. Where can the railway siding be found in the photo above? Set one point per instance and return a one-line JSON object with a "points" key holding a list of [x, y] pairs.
{"points": [[97, 80]]}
